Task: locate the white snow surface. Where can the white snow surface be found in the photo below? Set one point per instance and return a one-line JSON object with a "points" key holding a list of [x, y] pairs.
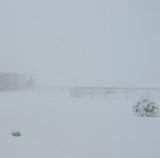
{"points": [[63, 127]]}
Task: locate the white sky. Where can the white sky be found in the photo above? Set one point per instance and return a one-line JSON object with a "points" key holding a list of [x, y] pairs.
{"points": [[82, 42]]}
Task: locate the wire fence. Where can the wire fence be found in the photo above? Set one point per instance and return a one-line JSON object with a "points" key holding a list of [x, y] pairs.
{"points": [[114, 93]]}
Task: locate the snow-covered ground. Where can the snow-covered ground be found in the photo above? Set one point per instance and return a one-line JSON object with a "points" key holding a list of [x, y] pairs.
{"points": [[62, 127]]}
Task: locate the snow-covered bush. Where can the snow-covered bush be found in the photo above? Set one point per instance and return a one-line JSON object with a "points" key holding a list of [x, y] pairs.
{"points": [[146, 107]]}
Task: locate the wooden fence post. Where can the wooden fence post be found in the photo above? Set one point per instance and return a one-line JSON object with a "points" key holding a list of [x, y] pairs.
{"points": [[126, 93]]}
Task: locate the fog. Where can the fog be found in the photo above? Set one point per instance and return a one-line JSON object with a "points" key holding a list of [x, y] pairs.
{"points": [[85, 42]]}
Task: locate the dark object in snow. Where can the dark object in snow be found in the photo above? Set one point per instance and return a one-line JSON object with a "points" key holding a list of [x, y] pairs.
{"points": [[146, 108], [16, 134]]}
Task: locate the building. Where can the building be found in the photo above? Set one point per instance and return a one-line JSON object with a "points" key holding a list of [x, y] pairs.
{"points": [[14, 81]]}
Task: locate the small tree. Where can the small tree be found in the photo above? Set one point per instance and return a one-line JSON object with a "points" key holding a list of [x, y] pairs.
{"points": [[145, 107]]}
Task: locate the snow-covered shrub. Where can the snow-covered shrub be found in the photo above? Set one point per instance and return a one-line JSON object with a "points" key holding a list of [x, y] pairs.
{"points": [[146, 107]]}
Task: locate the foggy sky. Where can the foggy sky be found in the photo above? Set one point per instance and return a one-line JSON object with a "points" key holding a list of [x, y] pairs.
{"points": [[82, 42]]}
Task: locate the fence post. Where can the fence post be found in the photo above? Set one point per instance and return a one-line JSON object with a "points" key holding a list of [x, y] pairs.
{"points": [[126, 94], [147, 93], [106, 94]]}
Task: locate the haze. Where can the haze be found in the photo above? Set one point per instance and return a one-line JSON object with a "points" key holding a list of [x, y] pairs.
{"points": [[85, 42]]}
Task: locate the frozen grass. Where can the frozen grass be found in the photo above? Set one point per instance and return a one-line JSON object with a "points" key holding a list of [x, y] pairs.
{"points": [[64, 127]]}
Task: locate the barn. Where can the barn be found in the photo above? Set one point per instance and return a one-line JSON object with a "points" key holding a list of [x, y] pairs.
{"points": [[14, 81]]}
